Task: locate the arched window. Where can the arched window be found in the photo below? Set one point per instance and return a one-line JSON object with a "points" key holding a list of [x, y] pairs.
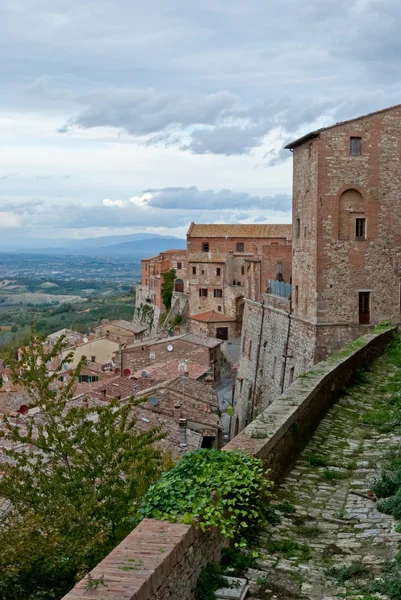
{"points": [[350, 205]]}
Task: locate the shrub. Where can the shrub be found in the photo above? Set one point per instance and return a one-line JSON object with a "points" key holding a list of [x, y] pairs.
{"points": [[227, 490]]}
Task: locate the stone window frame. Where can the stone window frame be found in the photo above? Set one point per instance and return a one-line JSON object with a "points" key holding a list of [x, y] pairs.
{"points": [[240, 247], [193, 270], [218, 293], [355, 145], [203, 292], [364, 229], [205, 246]]}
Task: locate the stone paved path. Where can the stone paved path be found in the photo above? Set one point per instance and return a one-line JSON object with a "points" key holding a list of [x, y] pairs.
{"points": [[332, 526]]}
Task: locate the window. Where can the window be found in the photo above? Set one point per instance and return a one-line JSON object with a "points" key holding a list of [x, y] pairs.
{"points": [[242, 270], [279, 268], [240, 247], [292, 370], [202, 272], [360, 229], [296, 295], [364, 307], [298, 228], [203, 292], [193, 270], [355, 146], [205, 246], [179, 265], [93, 358], [243, 343], [305, 232], [218, 271], [274, 366], [240, 386], [219, 308], [218, 293], [250, 349]]}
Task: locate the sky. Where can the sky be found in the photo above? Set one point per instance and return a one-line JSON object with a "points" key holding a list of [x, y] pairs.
{"points": [[124, 116]]}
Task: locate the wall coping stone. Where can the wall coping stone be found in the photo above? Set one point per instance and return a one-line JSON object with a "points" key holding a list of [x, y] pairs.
{"points": [[143, 565]]}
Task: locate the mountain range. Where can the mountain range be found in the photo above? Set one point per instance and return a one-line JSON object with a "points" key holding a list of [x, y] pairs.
{"points": [[137, 245]]}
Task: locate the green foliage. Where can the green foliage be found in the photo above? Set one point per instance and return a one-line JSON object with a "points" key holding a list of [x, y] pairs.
{"points": [[227, 490], [162, 318], [168, 288], [237, 559], [331, 475], [386, 485], [308, 531], [74, 496], [383, 325], [210, 579], [392, 506], [288, 548], [178, 319], [343, 573], [286, 507], [390, 586], [316, 460]]}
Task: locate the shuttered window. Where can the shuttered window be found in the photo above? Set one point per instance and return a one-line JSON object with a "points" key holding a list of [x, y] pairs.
{"points": [[355, 148]]}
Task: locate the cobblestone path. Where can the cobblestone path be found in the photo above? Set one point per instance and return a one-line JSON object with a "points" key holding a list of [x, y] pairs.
{"points": [[336, 542]]}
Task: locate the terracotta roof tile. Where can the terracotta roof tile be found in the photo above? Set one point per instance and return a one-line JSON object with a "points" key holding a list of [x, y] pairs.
{"points": [[170, 369], [240, 231], [211, 316]]}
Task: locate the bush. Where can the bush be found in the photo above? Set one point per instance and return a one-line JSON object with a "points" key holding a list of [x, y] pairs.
{"points": [[227, 490]]}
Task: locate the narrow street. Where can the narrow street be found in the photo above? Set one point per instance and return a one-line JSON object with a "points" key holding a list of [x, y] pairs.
{"points": [[332, 541]]}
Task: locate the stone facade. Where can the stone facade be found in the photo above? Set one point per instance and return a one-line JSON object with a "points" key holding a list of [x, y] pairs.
{"points": [[346, 256], [227, 263], [187, 347]]}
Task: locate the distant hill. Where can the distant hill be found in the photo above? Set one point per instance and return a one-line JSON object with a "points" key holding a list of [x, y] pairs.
{"points": [[115, 245], [15, 244], [140, 248]]}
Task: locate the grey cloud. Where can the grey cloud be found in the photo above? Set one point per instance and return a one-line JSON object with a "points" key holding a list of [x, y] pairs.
{"points": [[142, 112], [224, 140], [194, 199]]}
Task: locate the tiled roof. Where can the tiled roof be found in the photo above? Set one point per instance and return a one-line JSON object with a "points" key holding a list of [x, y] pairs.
{"points": [[208, 342], [313, 134], [169, 370], [129, 325], [120, 387], [197, 390], [67, 332], [211, 316], [239, 231]]}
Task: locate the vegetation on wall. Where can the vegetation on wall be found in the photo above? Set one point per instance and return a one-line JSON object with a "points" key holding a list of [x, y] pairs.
{"points": [[227, 490], [72, 498], [168, 288]]}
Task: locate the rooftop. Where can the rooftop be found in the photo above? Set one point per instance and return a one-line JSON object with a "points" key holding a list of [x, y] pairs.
{"points": [[211, 316], [314, 134], [170, 369], [239, 231], [208, 342]]}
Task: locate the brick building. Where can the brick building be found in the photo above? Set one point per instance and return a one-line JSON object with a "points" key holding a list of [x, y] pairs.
{"points": [[346, 264], [227, 263], [148, 303], [193, 348]]}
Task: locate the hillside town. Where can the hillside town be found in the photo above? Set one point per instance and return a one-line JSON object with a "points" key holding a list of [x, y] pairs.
{"points": [[224, 327]]}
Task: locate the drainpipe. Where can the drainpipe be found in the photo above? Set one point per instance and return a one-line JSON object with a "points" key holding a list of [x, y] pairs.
{"points": [[258, 358], [286, 346]]}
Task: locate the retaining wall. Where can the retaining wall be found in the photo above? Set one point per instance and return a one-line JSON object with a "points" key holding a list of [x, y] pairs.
{"points": [[162, 561]]}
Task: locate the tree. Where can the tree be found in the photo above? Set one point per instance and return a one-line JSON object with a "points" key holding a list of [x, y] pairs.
{"points": [[168, 288], [73, 476]]}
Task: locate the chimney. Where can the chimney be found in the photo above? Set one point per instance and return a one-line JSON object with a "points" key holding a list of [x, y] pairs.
{"points": [[209, 381], [177, 412], [182, 430]]}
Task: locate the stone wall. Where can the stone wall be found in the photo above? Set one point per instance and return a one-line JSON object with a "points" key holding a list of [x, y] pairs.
{"points": [[161, 560]]}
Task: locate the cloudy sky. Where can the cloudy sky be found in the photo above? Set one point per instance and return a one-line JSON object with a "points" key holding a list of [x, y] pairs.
{"points": [[122, 116]]}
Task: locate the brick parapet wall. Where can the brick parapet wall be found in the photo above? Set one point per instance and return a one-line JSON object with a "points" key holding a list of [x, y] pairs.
{"points": [[162, 561]]}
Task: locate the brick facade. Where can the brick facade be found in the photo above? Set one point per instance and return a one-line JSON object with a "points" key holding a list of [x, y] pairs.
{"points": [[346, 263]]}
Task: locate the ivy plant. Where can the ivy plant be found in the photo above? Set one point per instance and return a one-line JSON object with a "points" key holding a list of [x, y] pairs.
{"points": [[210, 488]]}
